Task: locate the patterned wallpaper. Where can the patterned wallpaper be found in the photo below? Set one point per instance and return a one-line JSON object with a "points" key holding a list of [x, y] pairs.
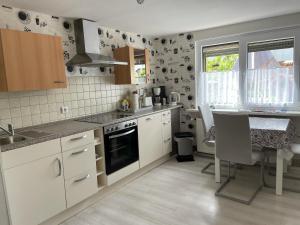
{"points": [[175, 68], [90, 90]]}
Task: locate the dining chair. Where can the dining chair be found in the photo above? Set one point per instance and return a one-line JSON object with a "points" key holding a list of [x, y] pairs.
{"points": [[233, 144], [207, 122]]}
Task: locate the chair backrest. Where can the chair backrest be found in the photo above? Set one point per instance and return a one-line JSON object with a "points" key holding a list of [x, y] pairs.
{"points": [[233, 140], [207, 117]]}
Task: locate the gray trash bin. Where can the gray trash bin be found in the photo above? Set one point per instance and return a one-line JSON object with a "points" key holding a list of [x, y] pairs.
{"points": [[184, 142]]}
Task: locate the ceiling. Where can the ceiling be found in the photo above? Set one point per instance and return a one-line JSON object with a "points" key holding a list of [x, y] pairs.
{"points": [[162, 17]]}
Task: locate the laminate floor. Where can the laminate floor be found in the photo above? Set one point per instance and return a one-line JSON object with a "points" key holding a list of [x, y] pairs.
{"points": [[179, 194]]}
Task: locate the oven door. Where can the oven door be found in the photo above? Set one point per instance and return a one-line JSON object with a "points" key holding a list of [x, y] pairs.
{"points": [[121, 149]]}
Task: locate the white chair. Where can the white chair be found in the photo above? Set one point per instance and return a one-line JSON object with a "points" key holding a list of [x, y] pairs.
{"points": [[233, 144], [208, 122]]}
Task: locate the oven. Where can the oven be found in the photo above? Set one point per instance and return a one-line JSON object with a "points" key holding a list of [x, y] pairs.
{"points": [[121, 145]]}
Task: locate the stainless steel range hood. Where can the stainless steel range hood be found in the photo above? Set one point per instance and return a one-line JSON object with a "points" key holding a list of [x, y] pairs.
{"points": [[87, 45]]}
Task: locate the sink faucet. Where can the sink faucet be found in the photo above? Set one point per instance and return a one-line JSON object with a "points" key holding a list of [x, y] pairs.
{"points": [[10, 130]]}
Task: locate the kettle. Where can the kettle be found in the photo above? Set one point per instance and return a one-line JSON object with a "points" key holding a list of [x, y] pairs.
{"points": [[174, 98]]}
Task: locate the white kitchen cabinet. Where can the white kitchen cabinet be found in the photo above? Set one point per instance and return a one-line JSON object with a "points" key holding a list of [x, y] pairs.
{"points": [[150, 138], [166, 132], [167, 136], [35, 190]]}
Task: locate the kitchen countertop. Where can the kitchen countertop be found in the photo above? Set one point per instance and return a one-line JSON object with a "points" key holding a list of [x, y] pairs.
{"points": [[73, 126]]}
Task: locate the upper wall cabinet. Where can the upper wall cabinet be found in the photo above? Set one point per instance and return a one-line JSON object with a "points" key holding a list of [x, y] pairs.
{"points": [[138, 69], [30, 61]]}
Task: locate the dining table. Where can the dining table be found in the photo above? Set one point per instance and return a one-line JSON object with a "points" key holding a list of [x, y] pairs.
{"points": [[266, 132]]}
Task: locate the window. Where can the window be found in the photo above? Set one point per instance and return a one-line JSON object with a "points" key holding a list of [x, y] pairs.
{"points": [[253, 70], [220, 78], [270, 73]]}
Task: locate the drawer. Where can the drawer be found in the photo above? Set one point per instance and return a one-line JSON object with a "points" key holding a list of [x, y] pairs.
{"points": [[78, 160], [153, 118], [81, 187], [77, 140], [30, 153], [166, 115]]}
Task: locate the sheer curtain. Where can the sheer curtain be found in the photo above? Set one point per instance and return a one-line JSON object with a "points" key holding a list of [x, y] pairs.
{"points": [[219, 88], [270, 87]]}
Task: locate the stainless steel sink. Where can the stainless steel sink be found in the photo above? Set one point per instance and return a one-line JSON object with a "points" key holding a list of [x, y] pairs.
{"points": [[11, 139]]}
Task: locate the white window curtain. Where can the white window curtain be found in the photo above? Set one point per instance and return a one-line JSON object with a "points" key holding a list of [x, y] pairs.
{"points": [[270, 87], [219, 88]]}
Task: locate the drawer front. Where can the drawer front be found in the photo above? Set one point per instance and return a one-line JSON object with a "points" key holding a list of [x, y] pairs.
{"points": [[81, 187], [30, 153], [153, 118], [166, 115], [78, 160], [77, 140]]}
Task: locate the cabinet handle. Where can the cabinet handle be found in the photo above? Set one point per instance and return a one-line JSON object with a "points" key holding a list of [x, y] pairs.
{"points": [[148, 119], [58, 82], [79, 152], [82, 179], [169, 139], [78, 138], [59, 167]]}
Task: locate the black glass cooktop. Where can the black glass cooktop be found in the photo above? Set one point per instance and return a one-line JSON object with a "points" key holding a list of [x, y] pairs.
{"points": [[104, 117]]}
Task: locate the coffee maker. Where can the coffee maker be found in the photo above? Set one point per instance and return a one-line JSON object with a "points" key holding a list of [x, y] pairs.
{"points": [[159, 95], [156, 96]]}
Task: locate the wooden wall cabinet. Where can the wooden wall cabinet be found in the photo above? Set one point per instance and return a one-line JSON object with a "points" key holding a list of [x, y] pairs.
{"points": [[138, 60], [30, 61]]}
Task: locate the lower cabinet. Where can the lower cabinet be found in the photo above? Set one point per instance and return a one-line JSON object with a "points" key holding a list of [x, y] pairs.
{"points": [[35, 190], [150, 138], [155, 137], [167, 136]]}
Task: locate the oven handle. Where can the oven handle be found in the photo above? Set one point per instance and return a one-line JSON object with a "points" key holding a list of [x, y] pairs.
{"points": [[120, 135]]}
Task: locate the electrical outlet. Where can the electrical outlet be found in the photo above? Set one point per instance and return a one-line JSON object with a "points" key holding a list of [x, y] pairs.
{"points": [[64, 109]]}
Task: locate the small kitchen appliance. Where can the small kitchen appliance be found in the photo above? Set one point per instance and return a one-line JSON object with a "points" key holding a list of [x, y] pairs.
{"points": [[174, 98], [156, 96]]}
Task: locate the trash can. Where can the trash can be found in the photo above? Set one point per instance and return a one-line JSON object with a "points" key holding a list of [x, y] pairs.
{"points": [[184, 142]]}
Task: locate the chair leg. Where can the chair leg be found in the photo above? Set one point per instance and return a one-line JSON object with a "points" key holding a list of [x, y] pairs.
{"points": [[208, 165], [229, 178], [204, 170]]}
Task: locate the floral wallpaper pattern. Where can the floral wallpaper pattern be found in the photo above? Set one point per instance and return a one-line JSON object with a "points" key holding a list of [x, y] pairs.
{"points": [[175, 68]]}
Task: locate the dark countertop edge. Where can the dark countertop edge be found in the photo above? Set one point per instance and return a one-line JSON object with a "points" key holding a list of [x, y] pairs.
{"points": [[89, 126]]}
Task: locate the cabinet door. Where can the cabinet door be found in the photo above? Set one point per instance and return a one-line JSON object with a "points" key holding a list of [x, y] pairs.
{"points": [[167, 136], [124, 74], [31, 61], [150, 138], [35, 191], [147, 64]]}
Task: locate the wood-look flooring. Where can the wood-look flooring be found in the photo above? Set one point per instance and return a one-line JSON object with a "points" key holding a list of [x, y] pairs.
{"points": [[179, 194]]}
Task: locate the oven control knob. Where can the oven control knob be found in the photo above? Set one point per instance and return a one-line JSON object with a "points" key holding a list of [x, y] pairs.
{"points": [[133, 123], [107, 130], [116, 128], [130, 124], [126, 125]]}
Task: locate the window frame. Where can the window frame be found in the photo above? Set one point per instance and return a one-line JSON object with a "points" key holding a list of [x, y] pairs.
{"points": [[244, 39]]}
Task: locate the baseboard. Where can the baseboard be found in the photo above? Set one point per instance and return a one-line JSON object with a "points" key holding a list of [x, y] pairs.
{"points": [[68, 213]]}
